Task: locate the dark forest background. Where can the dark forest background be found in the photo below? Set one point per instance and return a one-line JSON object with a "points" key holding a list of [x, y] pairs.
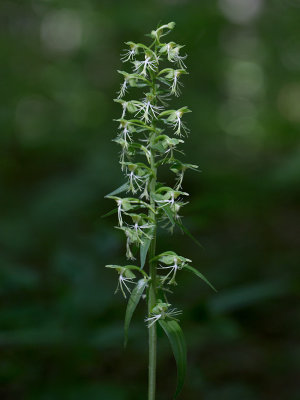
{"points": [[61, 326]]}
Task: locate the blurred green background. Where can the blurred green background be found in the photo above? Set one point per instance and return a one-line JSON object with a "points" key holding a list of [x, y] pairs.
{"points": [[60, 323]]}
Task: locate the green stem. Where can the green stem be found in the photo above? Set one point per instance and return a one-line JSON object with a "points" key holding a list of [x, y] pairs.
{"points": [[152, 336], [152, 264], [152, 290]]}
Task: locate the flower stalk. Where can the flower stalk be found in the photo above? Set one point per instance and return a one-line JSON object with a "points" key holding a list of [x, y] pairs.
{"points": [[152, 286]]}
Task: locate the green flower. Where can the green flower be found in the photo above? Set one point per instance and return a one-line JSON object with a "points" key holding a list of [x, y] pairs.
{"points": [[126, 277], [172, 50], [174, 119], [161, 311]]}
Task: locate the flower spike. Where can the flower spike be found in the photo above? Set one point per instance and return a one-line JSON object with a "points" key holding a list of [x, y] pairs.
{"points": [[150, 134]]}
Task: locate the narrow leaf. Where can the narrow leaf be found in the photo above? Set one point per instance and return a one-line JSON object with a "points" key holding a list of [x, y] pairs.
{"points": [[144, 247], [120, 189], [167, 210], [176, 338], [144, 250], [201, 276], [173, 221], [109, 213], [131, 305], [187, 232]]}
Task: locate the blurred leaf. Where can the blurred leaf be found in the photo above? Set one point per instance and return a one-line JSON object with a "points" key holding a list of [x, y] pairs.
{"points": [[242, 297]]}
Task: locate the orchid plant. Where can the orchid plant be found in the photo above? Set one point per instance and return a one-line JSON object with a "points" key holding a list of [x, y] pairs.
{"points": [[149, 134]]}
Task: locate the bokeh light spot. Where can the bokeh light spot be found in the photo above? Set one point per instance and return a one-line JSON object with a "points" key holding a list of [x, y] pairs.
{"points": [[242, 44], [245, 78], [240, 11], [61, 31]]}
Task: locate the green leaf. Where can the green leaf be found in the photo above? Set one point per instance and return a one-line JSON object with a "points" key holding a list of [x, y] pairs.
{"points": [[144, 250], [110, 213], [173, 221], [131, 305], [176, 338], [120, 189], [201, 276], [187, 232], [167, 210], [144, 247]]}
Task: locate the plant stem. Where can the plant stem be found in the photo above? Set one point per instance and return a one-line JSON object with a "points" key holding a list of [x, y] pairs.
{"points": [[152, 289]]}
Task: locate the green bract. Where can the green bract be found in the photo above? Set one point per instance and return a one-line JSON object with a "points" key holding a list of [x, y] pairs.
{"points": [[146, 129]]}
